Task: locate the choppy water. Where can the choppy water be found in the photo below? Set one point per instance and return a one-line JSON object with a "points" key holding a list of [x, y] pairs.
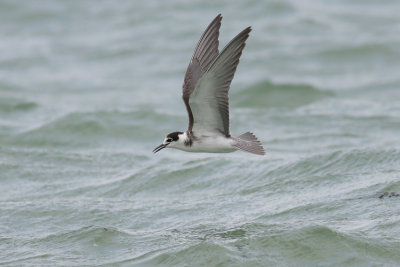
{"points": [[89, 88]]}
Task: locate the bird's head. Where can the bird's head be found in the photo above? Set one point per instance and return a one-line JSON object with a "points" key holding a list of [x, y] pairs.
{"points": [[170, 141]]}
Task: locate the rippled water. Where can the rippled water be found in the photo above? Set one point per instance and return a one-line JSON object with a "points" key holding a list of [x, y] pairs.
{"points": [[88, 89]]}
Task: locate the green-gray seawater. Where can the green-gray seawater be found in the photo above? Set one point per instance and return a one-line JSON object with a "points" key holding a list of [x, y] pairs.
{"points": [[89, 88]]}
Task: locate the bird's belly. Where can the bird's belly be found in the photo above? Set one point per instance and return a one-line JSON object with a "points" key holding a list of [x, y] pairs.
{"points": [[212, 145]]}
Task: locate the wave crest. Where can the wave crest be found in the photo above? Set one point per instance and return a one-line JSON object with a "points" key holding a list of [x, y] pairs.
{"points": [[267, 94]]}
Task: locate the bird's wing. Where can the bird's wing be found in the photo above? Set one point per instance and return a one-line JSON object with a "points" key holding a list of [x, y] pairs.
{"points": [[209, 101], [204, 54]]}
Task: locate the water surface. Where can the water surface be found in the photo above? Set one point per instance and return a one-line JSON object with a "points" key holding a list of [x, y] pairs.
{"points": [[88, 89]]}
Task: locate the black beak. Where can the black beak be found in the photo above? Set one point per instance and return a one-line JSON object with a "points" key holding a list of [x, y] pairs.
{"points": [[155, 150]]}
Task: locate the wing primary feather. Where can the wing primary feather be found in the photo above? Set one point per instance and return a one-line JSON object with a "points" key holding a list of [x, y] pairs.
{"points": [[209, 38], [204, 54], [209, 101]]}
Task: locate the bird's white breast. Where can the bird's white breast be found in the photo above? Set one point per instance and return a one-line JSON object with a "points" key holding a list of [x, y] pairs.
{"points": [[211, 143]]}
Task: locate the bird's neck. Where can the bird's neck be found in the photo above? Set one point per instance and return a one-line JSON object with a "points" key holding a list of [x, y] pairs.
{"points": [[186, 138]]}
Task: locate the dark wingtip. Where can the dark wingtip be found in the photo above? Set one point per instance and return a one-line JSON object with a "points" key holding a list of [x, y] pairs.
{"points": [[248, 29], [217, 18], [245, 33]]}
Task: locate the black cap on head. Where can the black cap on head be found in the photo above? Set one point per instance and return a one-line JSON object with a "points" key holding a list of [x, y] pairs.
{"points": [[174, 135]]}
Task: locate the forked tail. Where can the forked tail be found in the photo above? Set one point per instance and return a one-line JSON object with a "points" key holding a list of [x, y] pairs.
{"points": [[248, 142]]}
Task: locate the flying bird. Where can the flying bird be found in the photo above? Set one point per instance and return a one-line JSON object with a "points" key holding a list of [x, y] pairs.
{"points": [[205, 94]]}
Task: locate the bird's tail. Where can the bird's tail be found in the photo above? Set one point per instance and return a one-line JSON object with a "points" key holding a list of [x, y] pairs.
{"points": [[248, 142]]}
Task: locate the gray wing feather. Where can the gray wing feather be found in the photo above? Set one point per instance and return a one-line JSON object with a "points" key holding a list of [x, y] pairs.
{"points": [[205, 53], [209, 101]]}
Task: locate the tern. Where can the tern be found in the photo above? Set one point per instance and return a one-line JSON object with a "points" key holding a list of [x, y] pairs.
{"points": [[205, 94]]}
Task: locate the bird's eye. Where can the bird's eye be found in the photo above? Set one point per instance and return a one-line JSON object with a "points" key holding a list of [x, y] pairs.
{"points": [[169, 140]]}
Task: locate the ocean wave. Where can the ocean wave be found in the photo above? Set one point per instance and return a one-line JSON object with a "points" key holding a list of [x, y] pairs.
{"points": [[93, 239], [94, 129], [274, 244], [201, 254], [362, 51], [267, 94], [315, 244], [249, 244], [10, 104], [88, 234], [321, 173], [152, 178], [393, 187], [338, 161]]}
